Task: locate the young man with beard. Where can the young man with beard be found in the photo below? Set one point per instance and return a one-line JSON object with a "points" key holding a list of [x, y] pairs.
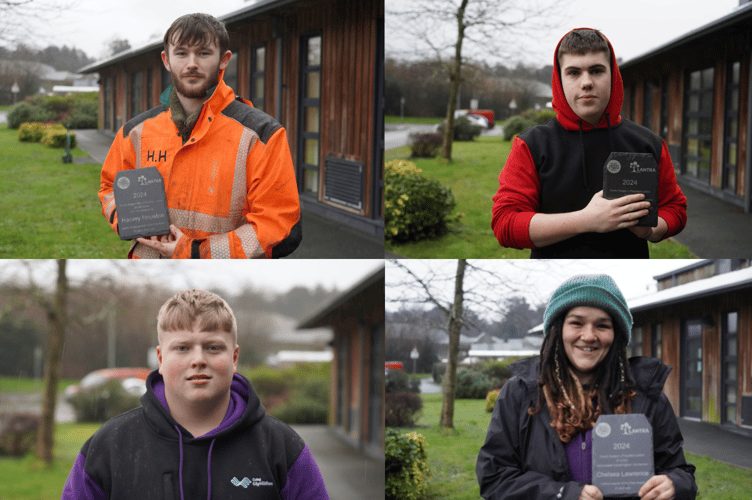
{"points": [[227, 170], [550, 196], [201, 431]]}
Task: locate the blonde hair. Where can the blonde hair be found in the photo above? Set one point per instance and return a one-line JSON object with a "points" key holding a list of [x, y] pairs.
{"points": [[203, 310]]}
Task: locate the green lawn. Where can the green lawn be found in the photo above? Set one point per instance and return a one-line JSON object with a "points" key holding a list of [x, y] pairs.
{"points": [[473, 177], [30, 479], [30, 385], [51, 210], [412, 119], [452, 455]]}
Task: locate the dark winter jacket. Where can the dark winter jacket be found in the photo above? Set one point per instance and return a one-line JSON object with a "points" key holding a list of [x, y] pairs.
{"points": [[557, 168], [145, 454], [523, 457]]}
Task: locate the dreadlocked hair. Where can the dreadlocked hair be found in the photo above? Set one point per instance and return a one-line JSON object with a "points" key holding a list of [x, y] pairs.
{"points": [[575, 408]]}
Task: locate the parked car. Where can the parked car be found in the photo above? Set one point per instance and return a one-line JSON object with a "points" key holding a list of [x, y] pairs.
{"points": [[484, 117], [132, 379]]}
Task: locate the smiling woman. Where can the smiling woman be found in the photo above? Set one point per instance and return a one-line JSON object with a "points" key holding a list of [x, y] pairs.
{"points": [[582, 373]]}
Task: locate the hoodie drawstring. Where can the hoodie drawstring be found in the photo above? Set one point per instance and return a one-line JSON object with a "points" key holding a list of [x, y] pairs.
{"points": [[208, 465], [180, 470]]}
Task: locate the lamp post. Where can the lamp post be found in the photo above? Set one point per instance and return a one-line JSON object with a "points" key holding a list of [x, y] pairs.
{"points": [[15, 89], [414, 355]]}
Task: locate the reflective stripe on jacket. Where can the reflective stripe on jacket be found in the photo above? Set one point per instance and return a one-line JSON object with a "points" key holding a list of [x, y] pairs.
{"points": [[230, 188]]}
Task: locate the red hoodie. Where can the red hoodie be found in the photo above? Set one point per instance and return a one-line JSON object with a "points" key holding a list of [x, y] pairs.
{"points": [[557, 167]]}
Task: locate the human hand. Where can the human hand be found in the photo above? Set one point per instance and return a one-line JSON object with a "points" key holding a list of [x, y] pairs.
{"points": [[603, 216], [657, 488], [164, 244], [590, 492]]}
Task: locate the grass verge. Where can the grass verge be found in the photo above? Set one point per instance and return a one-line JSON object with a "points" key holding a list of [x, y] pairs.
{"points": [[31, 385], [412, 119], [473, 177], [51, 210], [452, 455]]}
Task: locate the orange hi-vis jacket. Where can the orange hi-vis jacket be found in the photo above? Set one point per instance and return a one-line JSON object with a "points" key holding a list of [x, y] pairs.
{"points": [[230, 188]]}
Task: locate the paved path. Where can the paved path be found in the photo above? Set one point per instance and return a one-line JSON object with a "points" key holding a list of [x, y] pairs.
{"points": [[322, 237], [3, 117], [428, 387], [348, 474], [702, 438]]}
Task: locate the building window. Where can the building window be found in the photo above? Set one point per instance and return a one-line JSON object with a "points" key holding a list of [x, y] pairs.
{"points": [[647, 103], [258, 75], [108, 104], [635, 347], [729, 377], [698, 115], [231, 72], [664, 109], [137, 93], [310, 111], [656, 341], [731, 128]]}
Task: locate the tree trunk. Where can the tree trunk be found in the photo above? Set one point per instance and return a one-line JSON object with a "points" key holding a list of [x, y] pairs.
{"points": [[455, 79], [58, 319], [455, 325]]}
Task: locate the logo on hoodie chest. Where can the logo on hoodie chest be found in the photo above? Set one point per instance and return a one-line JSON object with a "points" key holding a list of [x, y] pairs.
{"points": [[245, 482]]}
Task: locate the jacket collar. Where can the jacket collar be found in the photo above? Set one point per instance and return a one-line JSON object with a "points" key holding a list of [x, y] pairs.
{"points": [[219, 96], [567, 117]]}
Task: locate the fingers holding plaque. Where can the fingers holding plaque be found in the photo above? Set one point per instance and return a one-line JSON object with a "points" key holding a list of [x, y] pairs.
{"points": [[622, 454], [141, 203]]}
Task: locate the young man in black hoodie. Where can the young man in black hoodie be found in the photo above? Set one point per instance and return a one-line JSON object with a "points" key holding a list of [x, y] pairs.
{"points": [[202, 431], [550, 194]]}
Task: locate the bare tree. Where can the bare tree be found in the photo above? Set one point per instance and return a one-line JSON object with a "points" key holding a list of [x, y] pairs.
{"points": [[482, 27], [57, 315], [27, 19]]}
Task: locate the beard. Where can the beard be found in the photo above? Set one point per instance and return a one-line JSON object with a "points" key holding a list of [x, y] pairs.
{"points": [[192, 92]]}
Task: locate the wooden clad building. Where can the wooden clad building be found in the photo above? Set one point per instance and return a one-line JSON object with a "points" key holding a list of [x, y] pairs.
{"points": [[694, 92], [700, 323], [314, 65], [357, 399]]}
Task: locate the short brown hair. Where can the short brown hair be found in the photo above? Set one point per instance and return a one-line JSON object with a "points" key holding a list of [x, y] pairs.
{"points": [[197, 29], [583, 41], [196, 308]]}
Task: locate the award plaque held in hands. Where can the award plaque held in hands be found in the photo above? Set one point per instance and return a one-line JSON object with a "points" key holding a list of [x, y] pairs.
{"points": [[141, 203], [622, 454], [632, 173]]}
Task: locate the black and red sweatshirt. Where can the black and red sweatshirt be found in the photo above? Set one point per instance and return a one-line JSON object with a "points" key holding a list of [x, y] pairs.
{"points": [[557, 167]]}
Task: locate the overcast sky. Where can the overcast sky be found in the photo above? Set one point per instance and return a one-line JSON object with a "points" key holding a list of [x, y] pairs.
{"points": [[274, 275], [633, 27], [535, 279]]}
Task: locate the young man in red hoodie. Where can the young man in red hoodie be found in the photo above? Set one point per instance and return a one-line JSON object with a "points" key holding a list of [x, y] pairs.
{"points": [[550, 194]]}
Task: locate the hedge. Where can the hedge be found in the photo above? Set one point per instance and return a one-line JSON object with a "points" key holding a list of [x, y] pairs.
{"points": [[405, 466]]}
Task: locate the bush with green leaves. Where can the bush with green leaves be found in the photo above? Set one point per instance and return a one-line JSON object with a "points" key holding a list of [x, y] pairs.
{"points": [[55, 136], [515, 126], [499, 370], [405, 466], [24, 112], [402, 409], [302, 410], [399, 381], [416, 208], [30, 132], [491, 398], [464, 129], [99, 404], [18, 433], [472, 384], [439, 369], [425, 145], [544, 115]]}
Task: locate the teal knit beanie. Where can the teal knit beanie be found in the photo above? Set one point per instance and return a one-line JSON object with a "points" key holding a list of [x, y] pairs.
{"points": [[591, 290]]}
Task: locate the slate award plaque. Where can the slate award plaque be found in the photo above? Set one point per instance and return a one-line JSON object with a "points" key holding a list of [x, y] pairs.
{"points": [[141, 203], [632, 173], [622, 454]]}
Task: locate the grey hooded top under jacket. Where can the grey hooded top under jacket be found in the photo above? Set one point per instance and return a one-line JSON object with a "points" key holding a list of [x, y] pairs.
{"points": [[523, 457]]}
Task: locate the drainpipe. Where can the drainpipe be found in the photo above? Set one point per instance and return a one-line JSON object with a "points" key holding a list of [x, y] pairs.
{"points": [[279, 36]]}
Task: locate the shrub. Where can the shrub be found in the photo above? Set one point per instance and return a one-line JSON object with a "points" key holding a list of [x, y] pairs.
{"points": [[399, 381], [464, 129], [55, 137], [472, 384], [439, 369], [55, 104], [30, 132], [267, 381], [405, 466], [302, 410], [491, 398], [18, 433], [515, 126], [416, 207], [425, 145], [402, 409], [82, 118], [24, 112], [544, 115], [499, 370], [100, 404]]}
